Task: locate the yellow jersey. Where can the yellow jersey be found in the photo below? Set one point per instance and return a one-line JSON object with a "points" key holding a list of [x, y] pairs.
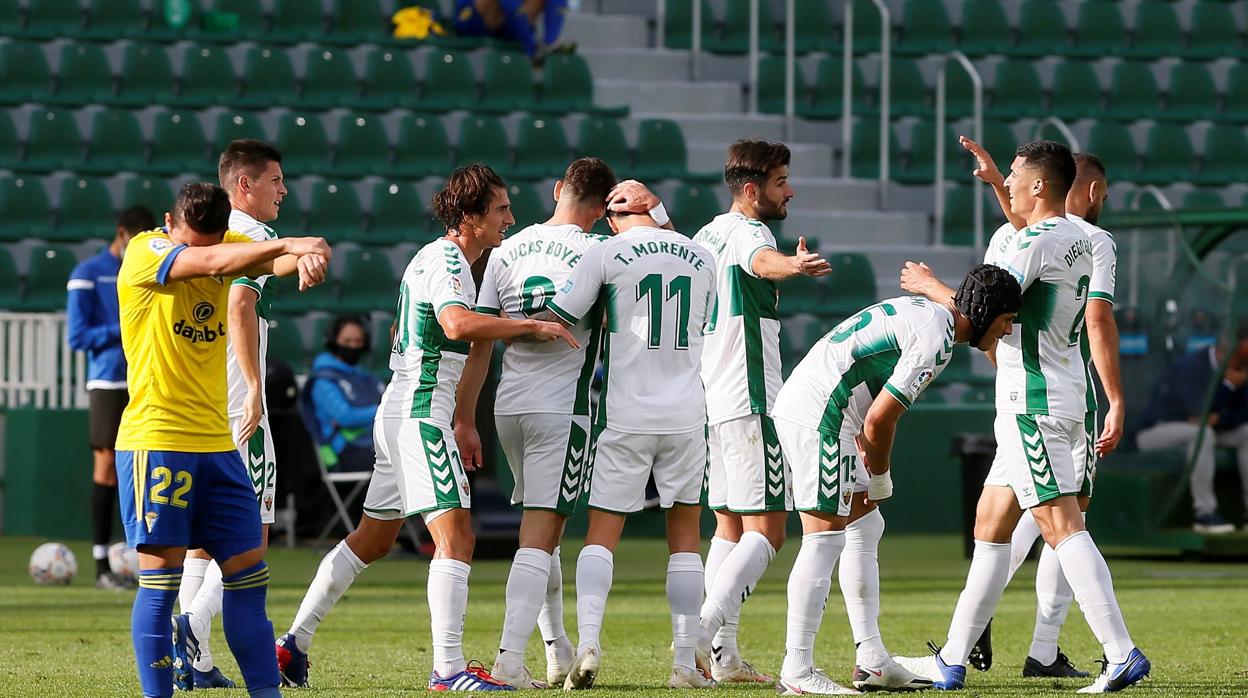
{"points": [[174, 338]]}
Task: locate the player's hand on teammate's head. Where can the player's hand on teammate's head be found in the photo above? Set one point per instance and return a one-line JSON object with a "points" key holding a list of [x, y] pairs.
{"points": [[916, 277], [985, 168], [631, 196], [552, 331], [810, 263], [313, 270]]}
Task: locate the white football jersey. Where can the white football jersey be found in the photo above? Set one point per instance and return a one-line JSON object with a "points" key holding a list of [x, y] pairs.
{"points": [[426, 364], [899, 345], [1104, 278], [657, 288], [741, 359], [1040, 367], [520, 279], [259, 232]]}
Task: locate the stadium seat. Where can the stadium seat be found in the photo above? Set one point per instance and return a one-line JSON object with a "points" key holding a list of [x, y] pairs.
{"points": [[1235, 101], [328, 80], [268, 79], [826, 91], [334, 212], [116, 143], [449, 82], [998, 138], [527, 205], [52, 142], [1192, 94], [151, 192], [660, 151], [85, 210], [909, 90], [356, 22], [207, 77], [678, 24], [1099, 30], [232, 125], [865, 150], [379, 335], [541, 149], [10, 290], [368, 282], [1204, 198], [1156, 32], [251, 22], [24, 74], [734, 29], [771, 85], [483, 139], [850, 287], [84, 76], [114, 19], [397, 215], [959, 228], [1113, 144], [1133, 92], [1168, 155], [10, 144], [815, 29], [297, 20], [389, 82], [46, 274], [1214, 31], [178, 145], [959, 92], [603, 137], [694, 206], [291, 218], [802, 294], [507, 83], [286, 342], [985, 28], [10, 19], [146, 77], [422, 147], [920, 166], [304, 145], [925, 28], [286, 297], [1076, 91], [1225, 155], [24, 208], [159, 29], [568, 86], [867, 27], [1042, 30], [361, 148], [1016, 90], [50, 19]]}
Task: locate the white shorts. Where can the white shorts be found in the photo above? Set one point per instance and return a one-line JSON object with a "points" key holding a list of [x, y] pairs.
{"points": [[418, 471], [258, 456], [1036, 457], [824, 467], [747, 473], [621, 463], [547, 454]]}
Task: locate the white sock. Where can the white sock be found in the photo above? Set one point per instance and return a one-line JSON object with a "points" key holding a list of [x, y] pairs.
{"points": [[193, 569], [737, 576], [1053, 597], [1023, 540], [860, 585], [684, 595], [550, 619], [726, 639], [990, 566], [448, 602], [205, 607], [809, 582], [337, 571], [1093, 587], [526, 590], [594, 569]]}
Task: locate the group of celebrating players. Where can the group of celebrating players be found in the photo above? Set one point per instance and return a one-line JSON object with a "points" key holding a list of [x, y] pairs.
{"points": [[686, 333]]}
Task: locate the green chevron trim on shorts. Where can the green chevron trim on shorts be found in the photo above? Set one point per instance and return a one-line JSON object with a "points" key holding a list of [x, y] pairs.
{"points": [[1089, 461], [834, 469], [441, 470], [574, 462], [257, 464], [773, 461], [1037, 457]]}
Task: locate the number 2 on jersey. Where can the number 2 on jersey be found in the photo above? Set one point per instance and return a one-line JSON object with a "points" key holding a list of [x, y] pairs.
{"points": [[1081, 295], [651, 288]]}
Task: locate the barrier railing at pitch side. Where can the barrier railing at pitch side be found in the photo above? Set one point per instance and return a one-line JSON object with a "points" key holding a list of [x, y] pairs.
{"points": [[37, 366]]}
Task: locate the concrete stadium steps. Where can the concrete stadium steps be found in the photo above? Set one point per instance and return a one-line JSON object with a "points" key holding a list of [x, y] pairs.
{"points": [[859, 229], [671, 95]]}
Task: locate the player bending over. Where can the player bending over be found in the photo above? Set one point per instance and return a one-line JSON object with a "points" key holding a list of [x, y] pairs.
{"points": [[425, 433], [182, 481], [656, 288]]}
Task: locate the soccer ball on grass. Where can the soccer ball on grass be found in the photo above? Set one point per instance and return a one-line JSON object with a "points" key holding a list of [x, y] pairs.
{"points": [[53, 564]]}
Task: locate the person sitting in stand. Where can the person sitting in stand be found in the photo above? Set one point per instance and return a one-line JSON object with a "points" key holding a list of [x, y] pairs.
{"points": [[342, 397]]}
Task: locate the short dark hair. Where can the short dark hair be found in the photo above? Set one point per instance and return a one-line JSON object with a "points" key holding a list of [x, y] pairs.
{"points": [[136, 219], [588, 181], [203, 207], [752, 161], [467, 191], [1054, 162], [341, 321], [1088, 166], [246, 156]]}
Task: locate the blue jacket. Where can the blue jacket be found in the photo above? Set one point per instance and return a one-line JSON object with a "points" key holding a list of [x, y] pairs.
{"points": [[94, 320], [1180, 395], [344, 401]]}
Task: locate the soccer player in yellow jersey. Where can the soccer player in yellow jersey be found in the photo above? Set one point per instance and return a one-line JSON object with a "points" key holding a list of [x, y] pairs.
{"points": [[180, 478]]}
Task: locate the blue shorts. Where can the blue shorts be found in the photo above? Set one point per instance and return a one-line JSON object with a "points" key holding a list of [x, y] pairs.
{"points": [[468, 22], [194, 500]]}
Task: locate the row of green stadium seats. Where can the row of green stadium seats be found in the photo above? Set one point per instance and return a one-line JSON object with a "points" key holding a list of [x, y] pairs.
{"points": [[47, 272], [348, 22], [295, 347], [269, 79], [1167, 155], [177, 143], [1016, 91], [396, 212], [924, 26]]}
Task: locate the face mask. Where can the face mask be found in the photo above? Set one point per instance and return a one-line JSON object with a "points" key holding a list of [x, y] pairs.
{"points": [[349, 355]]}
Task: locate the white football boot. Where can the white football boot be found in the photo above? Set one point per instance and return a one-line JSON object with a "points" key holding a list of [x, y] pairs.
{"points": [[584, 669], [815, 682], [684, 677], [890, 676]]}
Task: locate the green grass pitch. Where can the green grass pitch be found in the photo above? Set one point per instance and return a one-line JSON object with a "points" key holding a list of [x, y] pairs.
{"points": [[1191, 620]]}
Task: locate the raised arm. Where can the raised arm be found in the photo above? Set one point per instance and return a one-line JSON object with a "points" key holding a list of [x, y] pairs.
{"points": [[631, 196], [986, 170], [253, 259], [776, 266], [919, 279]]}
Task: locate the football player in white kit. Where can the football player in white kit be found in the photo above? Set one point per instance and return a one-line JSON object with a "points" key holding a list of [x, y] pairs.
{"points": [[840, 406], [425, 430], [656, 289], [747, 483], [251, 172], [1041, 406]]}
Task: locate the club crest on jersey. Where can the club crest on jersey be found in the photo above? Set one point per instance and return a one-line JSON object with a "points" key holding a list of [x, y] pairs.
{"points": [[457, 286]]}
